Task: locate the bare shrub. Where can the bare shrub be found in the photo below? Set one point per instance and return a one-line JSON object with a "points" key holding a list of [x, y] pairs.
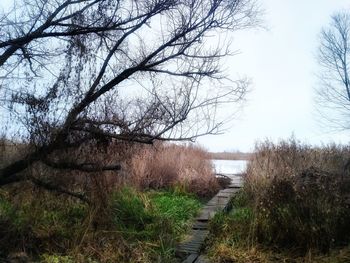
{"points": [[77, 176], [299, 194], [145, 167], [169, 165]]}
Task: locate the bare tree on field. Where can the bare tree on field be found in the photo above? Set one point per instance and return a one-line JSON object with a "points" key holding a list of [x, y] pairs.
{"points": [[334, 57], [83, 71]]}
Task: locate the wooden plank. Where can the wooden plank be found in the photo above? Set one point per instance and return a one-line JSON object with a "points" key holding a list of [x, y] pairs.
{"points": [[220, 207], [230, 190], [236, 179], [200, 225], [226, 191], [210, 208], [191, 258], [193, 235], [184, 253], [213, 200], [218, 201], [202, 259], [193, 242], [234, 186], [187, 250], [236, 183], [224, 195]]}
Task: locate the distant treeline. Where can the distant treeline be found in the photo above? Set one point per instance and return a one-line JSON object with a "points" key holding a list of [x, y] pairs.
{"points": [[230, 155]]}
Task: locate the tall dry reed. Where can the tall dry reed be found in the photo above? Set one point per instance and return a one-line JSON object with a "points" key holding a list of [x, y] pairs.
{"points": [[170, 165], [299, 194]]}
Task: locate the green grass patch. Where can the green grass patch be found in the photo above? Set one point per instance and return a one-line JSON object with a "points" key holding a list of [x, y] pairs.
{"points": [[176, 207], [134, 227], [137, 213], [155, 218], [39, 224]]}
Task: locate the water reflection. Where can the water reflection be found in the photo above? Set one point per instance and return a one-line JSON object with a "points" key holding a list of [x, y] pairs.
{"points": [[230, 166]]}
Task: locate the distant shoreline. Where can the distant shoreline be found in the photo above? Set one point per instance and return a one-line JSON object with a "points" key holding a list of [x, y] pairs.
{"points": [[230, 156]]}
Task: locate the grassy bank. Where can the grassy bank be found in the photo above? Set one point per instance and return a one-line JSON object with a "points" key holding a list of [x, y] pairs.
{"points": [[294, 207], [134, 227]]}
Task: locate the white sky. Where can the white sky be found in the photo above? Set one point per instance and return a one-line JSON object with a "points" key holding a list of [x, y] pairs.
{"points": [[281, 61]]}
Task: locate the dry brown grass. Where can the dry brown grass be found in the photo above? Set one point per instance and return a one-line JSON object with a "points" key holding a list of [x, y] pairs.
{"points": [[160, 166], [299, 194], [170, 165], [10, 151], [223, 253]]}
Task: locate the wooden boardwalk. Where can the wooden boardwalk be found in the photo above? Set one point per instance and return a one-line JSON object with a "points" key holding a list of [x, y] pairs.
{"points": [[191, 246]]}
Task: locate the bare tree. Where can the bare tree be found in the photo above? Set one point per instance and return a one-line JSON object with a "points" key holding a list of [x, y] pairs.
{"points": [[83, 71], [334, 56]]}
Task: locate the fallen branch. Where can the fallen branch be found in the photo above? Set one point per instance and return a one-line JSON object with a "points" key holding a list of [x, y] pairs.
{"points": [[84, 167], [52, 187]]}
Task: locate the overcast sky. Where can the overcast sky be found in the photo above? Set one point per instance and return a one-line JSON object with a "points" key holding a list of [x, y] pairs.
{"points": [[281, 61]]}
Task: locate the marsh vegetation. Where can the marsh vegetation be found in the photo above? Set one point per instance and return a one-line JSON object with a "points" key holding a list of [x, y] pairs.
{"points": [[294, 207], [138, 217]]}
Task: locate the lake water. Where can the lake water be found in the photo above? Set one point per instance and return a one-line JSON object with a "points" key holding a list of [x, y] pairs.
{"points": [[230, 166]]}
